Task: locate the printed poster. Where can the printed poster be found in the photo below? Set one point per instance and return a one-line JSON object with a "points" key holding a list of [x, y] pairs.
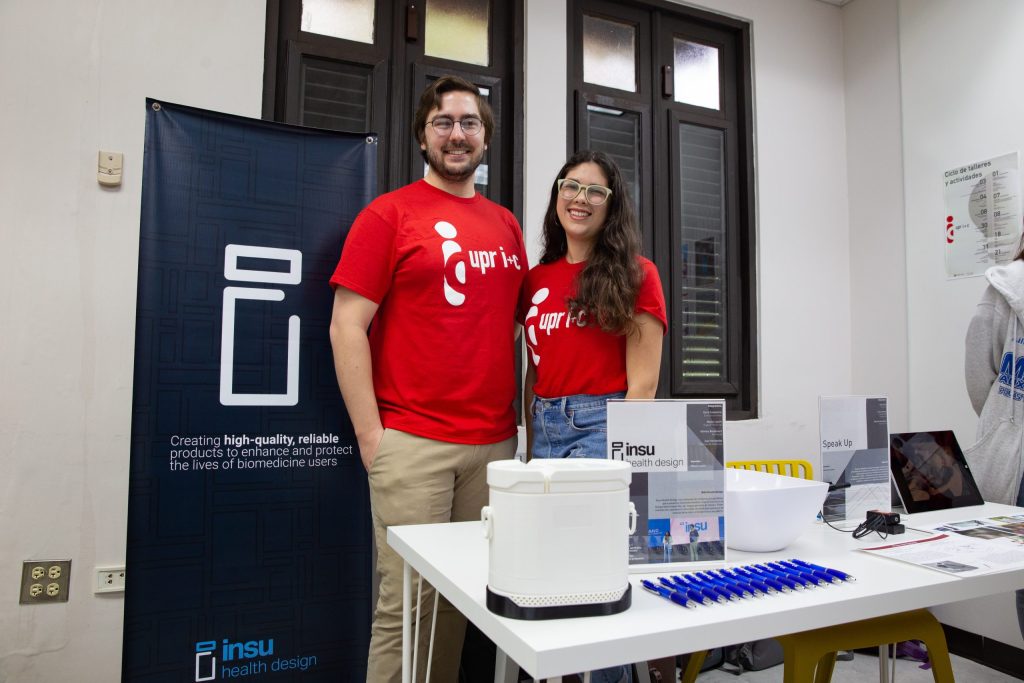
{"points": [[983, 215], [249, 539], [677, 452], [855, 455]]}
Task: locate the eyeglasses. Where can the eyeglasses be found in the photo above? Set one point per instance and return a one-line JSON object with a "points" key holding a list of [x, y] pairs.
{"points": [[595, 195], [444, 125]]}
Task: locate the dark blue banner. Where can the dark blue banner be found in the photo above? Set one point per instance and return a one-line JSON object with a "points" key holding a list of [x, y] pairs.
{"points": [[248, 516]]}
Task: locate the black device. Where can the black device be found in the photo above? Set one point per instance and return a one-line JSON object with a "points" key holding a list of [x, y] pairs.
{"points": [[930, 472], [884, 522]]}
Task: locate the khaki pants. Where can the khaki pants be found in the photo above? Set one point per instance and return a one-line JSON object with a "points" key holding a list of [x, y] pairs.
{"points": [[414, 480]]}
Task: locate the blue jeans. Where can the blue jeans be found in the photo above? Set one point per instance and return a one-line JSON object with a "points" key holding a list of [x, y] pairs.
{"points": [[576, 427], [571, 426]]}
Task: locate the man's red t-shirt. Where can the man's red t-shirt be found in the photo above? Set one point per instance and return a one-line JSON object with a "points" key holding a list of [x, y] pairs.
{"points": [[570, 358], [446, 272]]}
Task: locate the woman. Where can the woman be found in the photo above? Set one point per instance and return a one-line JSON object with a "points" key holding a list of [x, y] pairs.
{"points": [[594, 312], [994, 370], [594, 318]]}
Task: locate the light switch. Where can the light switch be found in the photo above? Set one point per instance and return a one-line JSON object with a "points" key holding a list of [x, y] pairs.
{"points": [[109, 171]]}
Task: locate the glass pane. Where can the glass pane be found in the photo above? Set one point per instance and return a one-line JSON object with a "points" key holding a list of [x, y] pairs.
{"points": [[609, 53], [701, 268], [617, 134], [458, 29], [348, 19], [335, 96], [696, 70]]}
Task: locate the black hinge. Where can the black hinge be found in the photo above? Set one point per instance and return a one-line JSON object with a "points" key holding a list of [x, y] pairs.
{"points": [[412, 23]]}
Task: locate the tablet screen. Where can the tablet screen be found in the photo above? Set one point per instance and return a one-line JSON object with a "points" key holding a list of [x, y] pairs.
{"points": [[930, 472]]}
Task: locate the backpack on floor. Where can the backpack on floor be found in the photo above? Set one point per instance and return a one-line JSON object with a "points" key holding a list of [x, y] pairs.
{"points": [[753, 656]]}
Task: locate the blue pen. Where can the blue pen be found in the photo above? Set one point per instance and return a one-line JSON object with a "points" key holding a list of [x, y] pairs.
{"points": [[740, 583], [843, 576], [716, 593], [755, 583], [770, 581], [745, 584], [737, 577], [803, 572], [731, 584], [766, 574], [722, 586], [723, 591], [783, 579], [817, 573], [689, 591], [794, 576], [754, 580], [672, 595], [704, 588], [739, 592]]}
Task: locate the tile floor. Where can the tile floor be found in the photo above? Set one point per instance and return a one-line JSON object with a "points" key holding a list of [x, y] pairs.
{"points": [[864, 668]]}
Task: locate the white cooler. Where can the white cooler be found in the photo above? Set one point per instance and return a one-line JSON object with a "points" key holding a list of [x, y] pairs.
{"points": [[558, 532]]}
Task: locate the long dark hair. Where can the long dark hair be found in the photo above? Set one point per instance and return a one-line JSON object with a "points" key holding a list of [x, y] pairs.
{"points": [[607, 287]]}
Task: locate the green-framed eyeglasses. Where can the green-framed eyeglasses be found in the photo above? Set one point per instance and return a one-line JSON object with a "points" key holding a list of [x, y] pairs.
{"points": [[595, 195]]}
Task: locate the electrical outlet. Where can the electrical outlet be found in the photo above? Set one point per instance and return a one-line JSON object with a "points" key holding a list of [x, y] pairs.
{"points": [[109, 579], [45, 581]]}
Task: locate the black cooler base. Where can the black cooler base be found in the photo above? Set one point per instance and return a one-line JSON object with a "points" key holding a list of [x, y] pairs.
{"points": [[503, 606]]}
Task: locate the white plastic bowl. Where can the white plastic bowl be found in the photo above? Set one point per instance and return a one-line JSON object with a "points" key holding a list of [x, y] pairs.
{"points": [[766, 512]]}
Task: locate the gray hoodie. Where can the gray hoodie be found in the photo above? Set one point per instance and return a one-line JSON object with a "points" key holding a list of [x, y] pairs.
{"points": [[995, 346]]}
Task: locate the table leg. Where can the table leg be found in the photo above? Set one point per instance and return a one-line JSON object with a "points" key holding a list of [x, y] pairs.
{"points": [[406, 623], [505, 670], [883, 663]]}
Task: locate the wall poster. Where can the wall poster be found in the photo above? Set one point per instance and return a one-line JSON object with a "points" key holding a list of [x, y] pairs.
{"points": [[248, 550], [983, 215]]}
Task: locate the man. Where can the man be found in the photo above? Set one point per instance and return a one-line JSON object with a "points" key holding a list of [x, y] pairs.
{"points": [[437, 269]]}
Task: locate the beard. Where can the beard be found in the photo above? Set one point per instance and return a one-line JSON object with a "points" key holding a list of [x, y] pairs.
{"points": [[455, 172]]}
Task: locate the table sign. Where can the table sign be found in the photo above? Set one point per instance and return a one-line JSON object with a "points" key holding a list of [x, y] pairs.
{"points": [[855, 455], [677, 451]]}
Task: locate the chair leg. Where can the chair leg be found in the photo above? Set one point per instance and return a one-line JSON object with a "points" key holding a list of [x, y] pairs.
{"points": [[826, 665], [693, 664], [799, 668], [934, 638]]}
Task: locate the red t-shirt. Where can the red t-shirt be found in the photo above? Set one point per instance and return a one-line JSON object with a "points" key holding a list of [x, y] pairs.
{"points": [[446, 272], [569, 358]]}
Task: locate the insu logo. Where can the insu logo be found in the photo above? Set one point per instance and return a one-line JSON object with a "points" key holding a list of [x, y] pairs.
{"points": [[206, 654], [234, 272], [624, 448]]}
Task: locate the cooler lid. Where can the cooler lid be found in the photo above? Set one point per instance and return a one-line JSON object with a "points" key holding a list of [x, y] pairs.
{"points": [[552, 476]]}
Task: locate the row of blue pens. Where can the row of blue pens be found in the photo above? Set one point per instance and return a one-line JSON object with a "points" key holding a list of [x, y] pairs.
{"points": [[740, 583]]}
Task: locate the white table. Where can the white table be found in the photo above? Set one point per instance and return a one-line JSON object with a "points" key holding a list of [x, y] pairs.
{"points": [[453, 558]]}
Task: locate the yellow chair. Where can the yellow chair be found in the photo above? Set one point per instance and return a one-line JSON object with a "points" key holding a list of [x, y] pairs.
{"points": [[810, 656], [789, 468], [801, 469]]}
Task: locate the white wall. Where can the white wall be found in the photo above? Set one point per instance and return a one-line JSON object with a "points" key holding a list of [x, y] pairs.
{"points": [[802, 224], [961, 103], [834, 276], [878, 272], [75, 77]]}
